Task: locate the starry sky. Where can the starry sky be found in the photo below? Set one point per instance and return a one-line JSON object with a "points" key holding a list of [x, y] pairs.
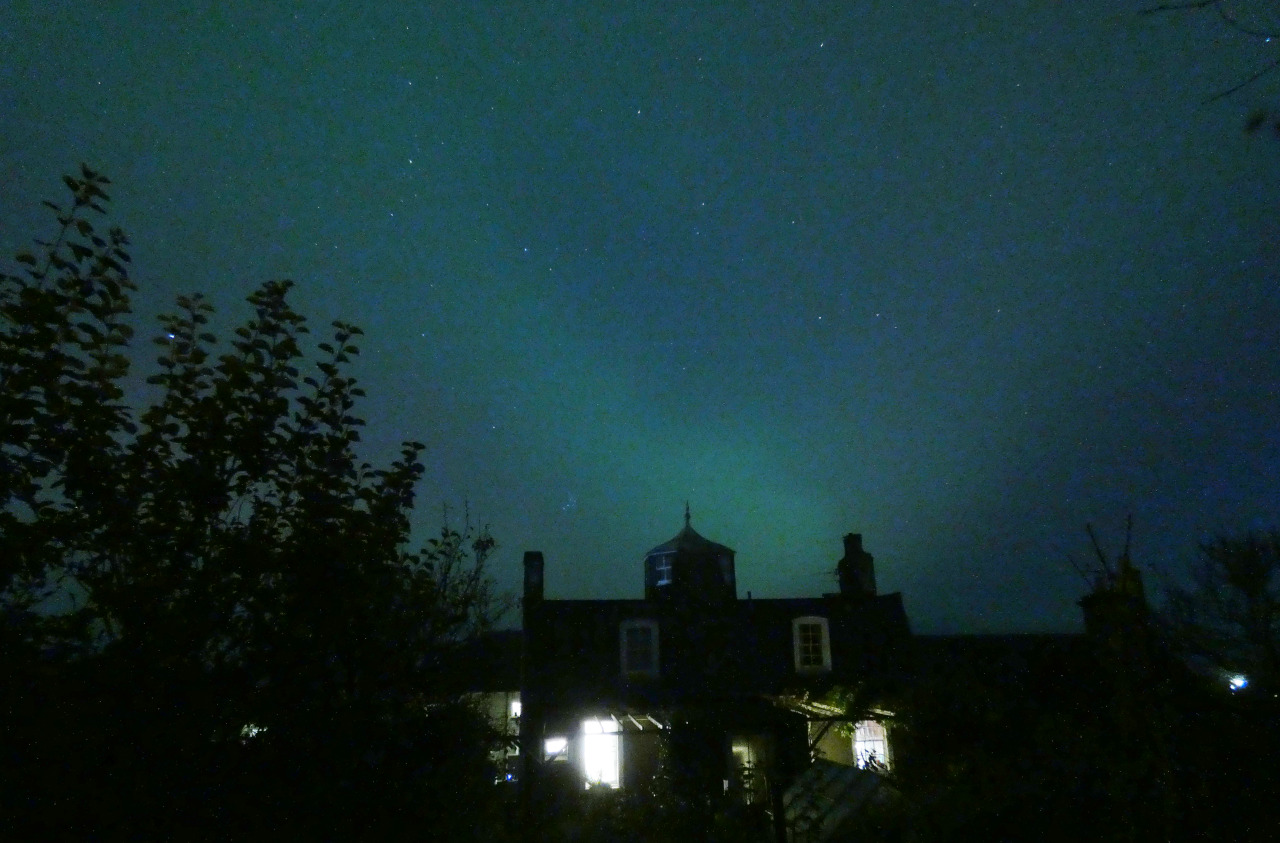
{"points": [[959, 276]]}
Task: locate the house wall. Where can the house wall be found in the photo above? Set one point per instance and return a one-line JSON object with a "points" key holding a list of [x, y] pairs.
{"points": [[641, 755], [834, 745]]}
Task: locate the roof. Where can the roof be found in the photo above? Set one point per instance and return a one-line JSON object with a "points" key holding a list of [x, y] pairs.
{"points": [[688, 541], [828, 798]]}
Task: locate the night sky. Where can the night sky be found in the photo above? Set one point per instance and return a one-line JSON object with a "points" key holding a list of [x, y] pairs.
{"points": [[961, 277]]}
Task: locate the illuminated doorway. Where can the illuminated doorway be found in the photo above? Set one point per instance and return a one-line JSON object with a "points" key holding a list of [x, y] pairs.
{"points": [[601, 756]]}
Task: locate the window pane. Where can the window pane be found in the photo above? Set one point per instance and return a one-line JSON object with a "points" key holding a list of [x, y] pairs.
{"points": [[871, 744], [662, 569], [555, 748], [810, 635], [600, 756]]}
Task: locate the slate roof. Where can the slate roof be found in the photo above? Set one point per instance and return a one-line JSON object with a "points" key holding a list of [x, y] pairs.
{"points": [[689, 541]]}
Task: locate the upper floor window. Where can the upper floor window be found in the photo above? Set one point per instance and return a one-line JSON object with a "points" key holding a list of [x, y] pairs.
{"points": [[811, 640], [662, 569], [638, 641]]}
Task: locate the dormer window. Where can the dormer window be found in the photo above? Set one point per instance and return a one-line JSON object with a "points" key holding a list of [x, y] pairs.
{"points": [[638, 643], [662, 569], [811, 642]]}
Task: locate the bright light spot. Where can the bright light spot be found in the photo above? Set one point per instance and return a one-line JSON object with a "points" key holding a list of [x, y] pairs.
{"points": [[600, 727], [249, 730], [515, 708], [1238, 682], [555, 747], [600, 754]]}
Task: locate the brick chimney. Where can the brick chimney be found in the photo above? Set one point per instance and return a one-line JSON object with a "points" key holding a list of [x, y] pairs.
{"points": [[532, 578], [856, 569]]}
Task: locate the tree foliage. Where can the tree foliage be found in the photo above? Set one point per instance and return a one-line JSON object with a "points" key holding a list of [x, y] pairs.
{"points": [[1230, 611], [210, 608]]}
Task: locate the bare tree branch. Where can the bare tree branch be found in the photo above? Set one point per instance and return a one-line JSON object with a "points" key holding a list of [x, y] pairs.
{"points": [[1233, 22], [1267, 68], [1239, 26], [1178, 7]]}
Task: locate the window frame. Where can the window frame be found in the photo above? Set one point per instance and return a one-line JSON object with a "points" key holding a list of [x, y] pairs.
{"points": [[663, 569], [871, 740], [825, 641], [654, 667]]}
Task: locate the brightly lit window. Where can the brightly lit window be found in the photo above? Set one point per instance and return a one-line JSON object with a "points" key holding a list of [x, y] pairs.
{"points": [[812, 644], [638, 641], [556, 749], [601, 757], [871, 744]]}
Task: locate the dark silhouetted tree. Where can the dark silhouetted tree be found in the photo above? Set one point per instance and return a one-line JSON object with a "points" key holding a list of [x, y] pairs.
{"points": [[212, 622], [1230, 610]]}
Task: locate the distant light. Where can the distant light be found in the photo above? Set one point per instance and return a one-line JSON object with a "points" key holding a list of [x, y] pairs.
{"points": [[1238, 682]]}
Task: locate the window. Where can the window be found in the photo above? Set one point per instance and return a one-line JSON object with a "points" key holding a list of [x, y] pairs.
{"points": [[811, 640], [662, 569], [513, 726], [601, 759], [639, 644], [556, 749], [871, 745]]}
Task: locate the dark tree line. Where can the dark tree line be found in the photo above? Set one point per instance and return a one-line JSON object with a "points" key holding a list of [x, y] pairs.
{"points": [[212, 625], [1131, 732]]}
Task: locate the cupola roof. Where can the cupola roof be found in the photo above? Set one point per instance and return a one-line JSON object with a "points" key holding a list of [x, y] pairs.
{"points": [[688, 541]]}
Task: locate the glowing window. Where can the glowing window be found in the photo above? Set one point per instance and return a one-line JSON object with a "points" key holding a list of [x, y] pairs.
{"points": [[811, 640], [556, 749], [662, 569], [871, 745], [638, 641], [601, 756]]}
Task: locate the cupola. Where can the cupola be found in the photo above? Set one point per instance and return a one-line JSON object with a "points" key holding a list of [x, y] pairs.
{"points": [[690, 567]]}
